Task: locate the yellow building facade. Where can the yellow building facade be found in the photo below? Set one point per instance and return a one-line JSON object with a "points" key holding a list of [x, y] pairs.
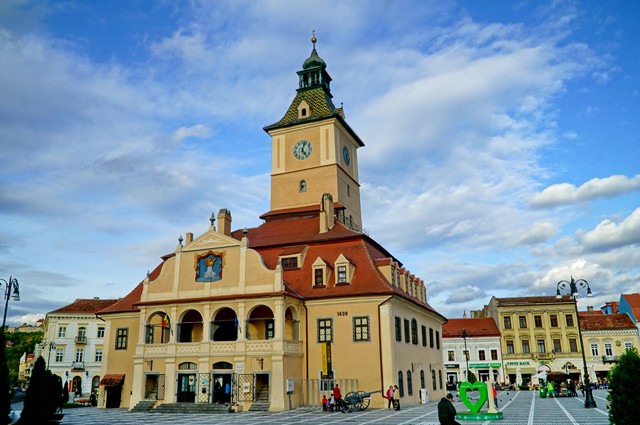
{"points": [[275, 316], [537, 334]]}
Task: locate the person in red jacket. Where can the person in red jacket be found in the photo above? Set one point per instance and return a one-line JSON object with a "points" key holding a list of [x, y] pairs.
{"points": [[338, 397], [390, 396]]}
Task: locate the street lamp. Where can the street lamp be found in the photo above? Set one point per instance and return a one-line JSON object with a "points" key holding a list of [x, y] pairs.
{"points": [[464, 334], [572, 288], [52, 346], [11, 290]]}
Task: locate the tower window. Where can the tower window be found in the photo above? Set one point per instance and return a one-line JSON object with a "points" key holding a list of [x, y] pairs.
{"points": [[303, 186]]}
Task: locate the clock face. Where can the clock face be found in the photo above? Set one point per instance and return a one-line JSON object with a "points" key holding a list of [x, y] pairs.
{"points": [[345, 155], [302, 149]]}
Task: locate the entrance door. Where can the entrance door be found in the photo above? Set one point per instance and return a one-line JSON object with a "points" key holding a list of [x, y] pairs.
{"points": [[221, 388], [186, 388]]}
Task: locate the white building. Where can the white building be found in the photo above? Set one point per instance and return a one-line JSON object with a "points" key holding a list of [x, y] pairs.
{"points": [[474, 345], [73, 344]]}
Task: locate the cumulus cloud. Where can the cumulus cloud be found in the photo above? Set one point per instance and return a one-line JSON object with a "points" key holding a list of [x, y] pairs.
{"points": [[609, 234], [566, 193]]}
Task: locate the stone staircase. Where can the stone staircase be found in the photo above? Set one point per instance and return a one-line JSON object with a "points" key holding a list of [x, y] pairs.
{"points": [[262, 402], [191, 408], [144, 406]]}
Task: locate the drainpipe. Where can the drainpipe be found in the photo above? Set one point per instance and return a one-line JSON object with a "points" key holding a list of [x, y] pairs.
{"points": [[380, 344]]}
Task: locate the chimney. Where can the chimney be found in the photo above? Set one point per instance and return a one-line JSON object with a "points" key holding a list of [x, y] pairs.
{"points": [[590, 310], [327, 214], [189, 238], [224, 222]]}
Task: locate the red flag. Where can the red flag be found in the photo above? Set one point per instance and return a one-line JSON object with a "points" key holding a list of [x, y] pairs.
{"points": [[165, 321]]}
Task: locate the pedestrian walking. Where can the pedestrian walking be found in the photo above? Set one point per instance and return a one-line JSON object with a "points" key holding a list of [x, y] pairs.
{"points": [[495, 397], [447, 411], [396, 397], [390, 396]]}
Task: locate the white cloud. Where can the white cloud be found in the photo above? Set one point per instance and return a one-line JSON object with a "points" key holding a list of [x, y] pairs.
{"points": [[608, 234], [566, 193]]}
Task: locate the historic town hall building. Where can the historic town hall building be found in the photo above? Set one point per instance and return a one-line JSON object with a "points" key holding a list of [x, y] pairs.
{"points": [[276, 315]]}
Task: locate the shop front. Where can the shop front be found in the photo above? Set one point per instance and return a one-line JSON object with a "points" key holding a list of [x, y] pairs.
{"points": [[486, 371]]}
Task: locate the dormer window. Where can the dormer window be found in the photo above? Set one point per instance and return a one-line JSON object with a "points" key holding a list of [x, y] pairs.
{"points": [[304, 110], [344, 270], [289, 263], [320, 273]]}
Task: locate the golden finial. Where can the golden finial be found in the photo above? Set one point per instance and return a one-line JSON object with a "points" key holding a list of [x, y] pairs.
{"points": [[313, 38]]}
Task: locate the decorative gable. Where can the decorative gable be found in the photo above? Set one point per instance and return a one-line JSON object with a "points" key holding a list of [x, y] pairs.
{"points": [[321, 272], [344, 270]]}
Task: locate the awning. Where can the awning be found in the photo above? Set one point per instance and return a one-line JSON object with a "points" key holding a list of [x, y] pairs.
{"points": [[112, 380]]}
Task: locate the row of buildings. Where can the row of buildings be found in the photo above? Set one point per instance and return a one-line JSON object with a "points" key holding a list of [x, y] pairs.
{"points": [[280, 313]]}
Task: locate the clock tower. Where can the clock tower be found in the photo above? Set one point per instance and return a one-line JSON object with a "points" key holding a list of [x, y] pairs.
{"points": [[314, 151]]}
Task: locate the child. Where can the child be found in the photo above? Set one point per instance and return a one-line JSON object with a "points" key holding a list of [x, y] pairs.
{"points": [[324, 402], [332, 402]]}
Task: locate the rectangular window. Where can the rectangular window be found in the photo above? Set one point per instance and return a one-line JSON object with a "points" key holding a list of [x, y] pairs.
{"points": [[451, 356], [360, 328], [538, 321], [398, 329], [628, 345], [289, 263], [101, 332], [557, 346], [554, 320], [407, 331], [122, 338], [424, 336], [325, 330], [59, 355], [541, 346], [431, 337], [319, 277], [608, 349], [510, 349], [594, 349], [437, 340], [523, 321], [482, 355], [525, 347], [62, 332], [98, 354], [507, 322], [465, 353], [79, 354], [573, 345], [494, 354], [569, 320], [342, 274]]}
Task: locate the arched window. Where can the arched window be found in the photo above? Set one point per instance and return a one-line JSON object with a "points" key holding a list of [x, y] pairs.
{"points": [[433, 378], [304, 112], [400, 384], [422, 384], [440, 378], [303, 186], [409, 383], [414, 331], [224, 326]]}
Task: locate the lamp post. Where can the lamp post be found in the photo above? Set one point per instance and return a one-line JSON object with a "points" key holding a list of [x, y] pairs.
{"points": [[572, 288], [464, 334], [52, 346], [10, 287]]}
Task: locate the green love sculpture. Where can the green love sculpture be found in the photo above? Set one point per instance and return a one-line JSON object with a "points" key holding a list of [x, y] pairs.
{"points": [[467, 386]]}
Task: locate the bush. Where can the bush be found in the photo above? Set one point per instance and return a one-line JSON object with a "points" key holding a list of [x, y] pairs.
{"points": [[624, 397], [43, 396]]}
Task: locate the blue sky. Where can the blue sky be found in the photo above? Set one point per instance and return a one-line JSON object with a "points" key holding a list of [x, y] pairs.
{"points": [[501, 137]]}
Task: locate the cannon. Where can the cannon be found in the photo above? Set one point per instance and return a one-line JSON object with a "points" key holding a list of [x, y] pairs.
{"points": [[357, 400]]}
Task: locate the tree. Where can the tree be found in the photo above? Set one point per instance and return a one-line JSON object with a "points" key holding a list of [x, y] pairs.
{"points": [[624, 398], [471, 377], [41, 399], [5, 389]]}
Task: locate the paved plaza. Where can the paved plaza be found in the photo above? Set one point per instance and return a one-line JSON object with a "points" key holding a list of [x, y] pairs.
{"points": [[519, 408]]}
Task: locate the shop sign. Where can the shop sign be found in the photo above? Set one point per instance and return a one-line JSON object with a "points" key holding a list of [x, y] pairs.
{"points": [[452, 366], [484, 365], [517, 363]]}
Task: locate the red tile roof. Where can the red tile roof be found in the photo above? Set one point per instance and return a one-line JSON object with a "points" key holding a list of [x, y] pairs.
{"points": [[474, 327], [606, 322], [112, 380], [545, 299], [85, 306], [126, 304]]}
